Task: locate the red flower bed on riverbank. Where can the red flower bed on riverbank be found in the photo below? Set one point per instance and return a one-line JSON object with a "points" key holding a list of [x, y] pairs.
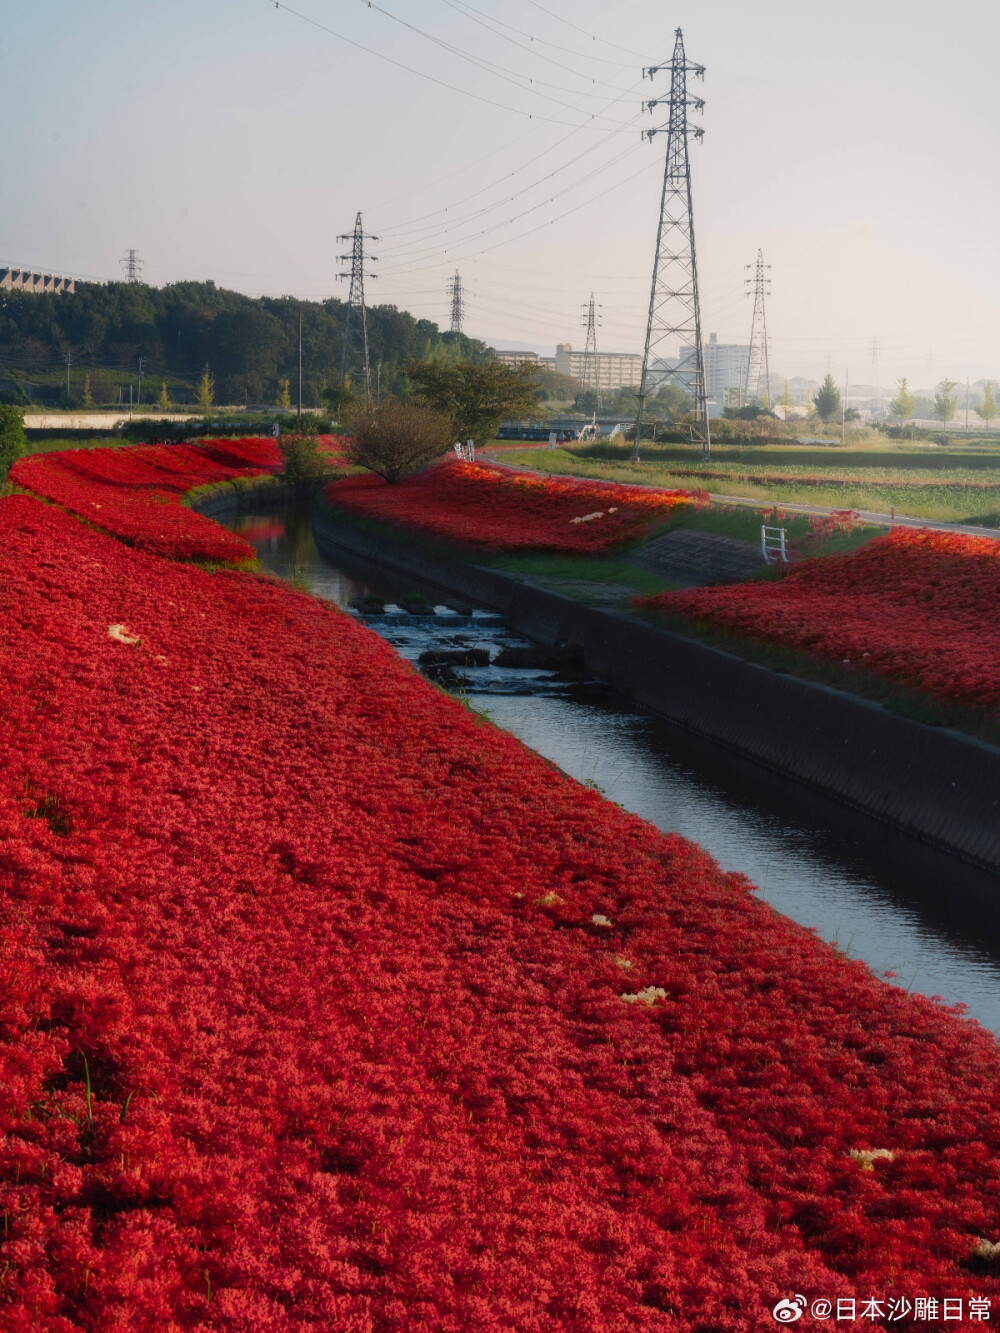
{"points": [[324, 1004], [491, 508], [134, 492], [921, 607]]}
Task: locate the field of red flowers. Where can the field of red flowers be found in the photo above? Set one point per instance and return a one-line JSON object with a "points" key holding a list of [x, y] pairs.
{"points": [[918, 606], [326, 1005], [134, 492], [492, 508]]}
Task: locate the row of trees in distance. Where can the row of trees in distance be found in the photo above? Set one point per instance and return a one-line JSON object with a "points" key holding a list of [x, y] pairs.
{"points": [[943, 407]]}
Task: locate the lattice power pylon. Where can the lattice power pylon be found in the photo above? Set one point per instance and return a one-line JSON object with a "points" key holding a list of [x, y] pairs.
{"points": [[757, 383], [591, 366], [354, 358], [131, 266], [457, 302], [674, 311]]}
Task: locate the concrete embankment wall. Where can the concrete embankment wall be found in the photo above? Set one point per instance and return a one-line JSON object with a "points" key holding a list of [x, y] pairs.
{"points": [[247, 496], [933, 783]]}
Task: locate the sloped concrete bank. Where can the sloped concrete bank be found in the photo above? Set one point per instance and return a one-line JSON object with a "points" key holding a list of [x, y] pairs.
{"points": [[934, 784], [245, 495]]}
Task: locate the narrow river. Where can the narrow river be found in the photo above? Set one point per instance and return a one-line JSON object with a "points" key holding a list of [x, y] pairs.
{"points": [[897, 905]]}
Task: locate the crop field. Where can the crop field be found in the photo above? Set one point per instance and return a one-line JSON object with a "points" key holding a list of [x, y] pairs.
{"points": [[936, 483]]}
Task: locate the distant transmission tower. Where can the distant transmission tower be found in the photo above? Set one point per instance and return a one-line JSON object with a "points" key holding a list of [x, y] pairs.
{"points": [[131, 266], [354, 356], [757, 385], [876, 391], [674, 311], [591, 367], [457, 302]]}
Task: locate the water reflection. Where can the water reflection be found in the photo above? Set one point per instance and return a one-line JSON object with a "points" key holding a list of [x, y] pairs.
{"points": [[883, 898]]}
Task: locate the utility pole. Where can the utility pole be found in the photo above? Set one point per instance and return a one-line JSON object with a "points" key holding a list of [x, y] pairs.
{"points": [[758, 380], [142, 367], [69, 362], [591, 365], [674, 310], [131, 266], [355, 351], [457, 302], [966, 402], [876, 391], [843, 407], [300, 365]]}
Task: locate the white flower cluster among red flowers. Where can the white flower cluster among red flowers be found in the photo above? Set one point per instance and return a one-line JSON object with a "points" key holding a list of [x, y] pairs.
{"points": [[326, 1005]]}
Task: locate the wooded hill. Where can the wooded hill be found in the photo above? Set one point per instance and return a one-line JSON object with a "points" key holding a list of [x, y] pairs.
{"points": [[249, 344]]}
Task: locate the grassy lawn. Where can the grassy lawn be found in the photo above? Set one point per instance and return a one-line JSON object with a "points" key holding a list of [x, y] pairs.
{"points": [[957, 484], [598, 580]]}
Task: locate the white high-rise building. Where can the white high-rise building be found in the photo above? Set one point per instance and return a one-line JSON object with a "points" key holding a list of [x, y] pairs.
{"points": [[725, 365]]}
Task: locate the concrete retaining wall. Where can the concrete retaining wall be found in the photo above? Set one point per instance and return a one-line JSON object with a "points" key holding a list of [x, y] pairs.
{"points": [[245, 497], [935, 784]]}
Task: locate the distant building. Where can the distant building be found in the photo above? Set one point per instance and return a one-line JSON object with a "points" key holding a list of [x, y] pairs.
{"points": [[525, 358], [26, 280], [615, 370], [725, 365]]}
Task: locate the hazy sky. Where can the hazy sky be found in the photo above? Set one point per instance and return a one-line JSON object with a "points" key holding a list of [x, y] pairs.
{"points": [[857, 143]]}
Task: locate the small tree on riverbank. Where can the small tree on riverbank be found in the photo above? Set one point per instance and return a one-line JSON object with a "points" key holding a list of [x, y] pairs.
{"points": [[305, 467], [395, 438], [904, 402], [13, 441], [477, 397]]}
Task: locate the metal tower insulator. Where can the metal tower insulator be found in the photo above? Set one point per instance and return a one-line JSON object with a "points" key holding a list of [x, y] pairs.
{"points": [[674, 351]]}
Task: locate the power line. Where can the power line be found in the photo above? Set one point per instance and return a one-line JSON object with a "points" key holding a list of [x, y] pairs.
{"points": [[486, 231], [541, 41], [410, 69], [483, 23], [407, 246], [523, 81], [586, 32]]}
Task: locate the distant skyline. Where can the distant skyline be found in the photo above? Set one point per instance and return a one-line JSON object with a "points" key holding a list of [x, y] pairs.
{"points": [[856, 145]]}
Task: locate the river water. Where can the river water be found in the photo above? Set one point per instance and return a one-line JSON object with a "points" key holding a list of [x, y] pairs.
{"points": [[890, 901]]}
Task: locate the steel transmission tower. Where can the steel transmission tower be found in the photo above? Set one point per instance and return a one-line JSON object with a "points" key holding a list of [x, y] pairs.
{"points": [[674, 311], [457, 302], [591, 366], [131, 266], [757, 384], [354, 356]]}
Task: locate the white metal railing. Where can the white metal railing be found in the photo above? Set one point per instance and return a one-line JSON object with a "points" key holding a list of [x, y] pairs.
{"points": [[772, 545]]}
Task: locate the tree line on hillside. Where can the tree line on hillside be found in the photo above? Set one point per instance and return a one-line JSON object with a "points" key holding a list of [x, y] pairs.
{"points": [[175, 336]]}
